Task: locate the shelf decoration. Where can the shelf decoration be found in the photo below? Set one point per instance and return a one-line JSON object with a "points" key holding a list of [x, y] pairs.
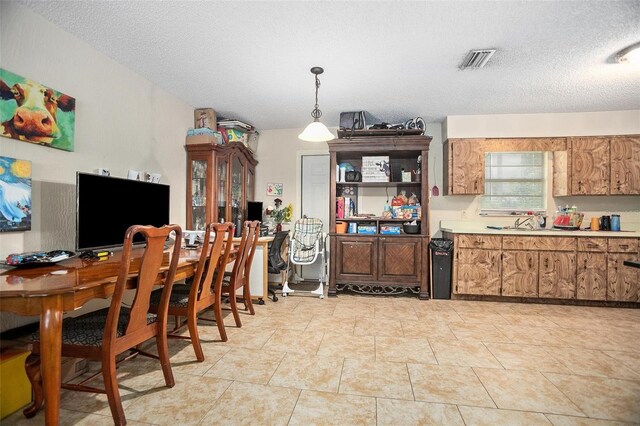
{"points": [[15, 194], [275, 189], [34, 113]]}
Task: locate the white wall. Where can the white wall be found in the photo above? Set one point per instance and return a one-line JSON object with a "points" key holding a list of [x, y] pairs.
{"points": [[278, 155], [123, 122], [534, 125]]}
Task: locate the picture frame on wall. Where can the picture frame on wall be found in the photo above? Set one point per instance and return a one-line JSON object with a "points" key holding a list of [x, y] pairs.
{"points": [[275, 189], [32, 112], [15, 194]]}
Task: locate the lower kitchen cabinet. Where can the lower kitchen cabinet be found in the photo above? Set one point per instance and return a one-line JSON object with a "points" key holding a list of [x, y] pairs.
{"points": [[520, 273], [557, 275], [591, 276], [622, 281], [582, 268], [479, 271]]}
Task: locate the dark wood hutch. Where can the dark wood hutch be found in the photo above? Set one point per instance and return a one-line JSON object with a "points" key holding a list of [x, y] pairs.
{"points": [[380, 263], [220, 181]]}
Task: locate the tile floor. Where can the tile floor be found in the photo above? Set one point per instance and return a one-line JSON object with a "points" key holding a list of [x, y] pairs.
{"points": [[358, 360]]}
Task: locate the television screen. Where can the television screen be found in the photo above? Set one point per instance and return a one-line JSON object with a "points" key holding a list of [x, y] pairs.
{"points": [[107, 206], [254, 210]]}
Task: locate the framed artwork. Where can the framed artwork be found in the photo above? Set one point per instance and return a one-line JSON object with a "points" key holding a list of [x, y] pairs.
{"points": [[35, 113], [15, 194], [274, 189]]}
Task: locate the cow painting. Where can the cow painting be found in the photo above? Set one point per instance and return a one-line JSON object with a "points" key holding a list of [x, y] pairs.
{"points": [[35, 113]]}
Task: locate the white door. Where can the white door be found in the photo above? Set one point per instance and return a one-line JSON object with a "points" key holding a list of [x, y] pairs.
{"points": [[315, 198]]}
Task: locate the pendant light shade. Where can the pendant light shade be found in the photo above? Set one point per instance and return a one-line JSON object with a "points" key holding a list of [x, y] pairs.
{"points": [[316, 131]]}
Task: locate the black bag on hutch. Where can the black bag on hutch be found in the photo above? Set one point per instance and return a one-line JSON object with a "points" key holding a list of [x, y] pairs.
{"points": [[352, 120]]}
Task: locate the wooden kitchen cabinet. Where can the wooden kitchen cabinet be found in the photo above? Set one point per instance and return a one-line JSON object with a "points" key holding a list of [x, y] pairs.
{"points": [[464, 167], [591, 269], [623, 282], [625, 165], [557, 275], [520, 273], [477, 265], [590, 166], [478, 271]]}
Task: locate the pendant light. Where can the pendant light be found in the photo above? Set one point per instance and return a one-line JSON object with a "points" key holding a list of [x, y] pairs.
{"points": [[316, 131]]}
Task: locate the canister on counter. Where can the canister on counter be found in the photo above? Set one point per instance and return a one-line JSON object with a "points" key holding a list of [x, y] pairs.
{"points": [[595, 224], [615, 222]]}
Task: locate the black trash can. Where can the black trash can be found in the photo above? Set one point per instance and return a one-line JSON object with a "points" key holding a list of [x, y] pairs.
{"points": [[441, 260]]}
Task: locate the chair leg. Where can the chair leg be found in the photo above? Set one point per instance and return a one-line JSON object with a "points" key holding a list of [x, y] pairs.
{"points": [[32, 367], [217, 311], [163, 355], [246, 295], [111, 388], [192, 323], [234, 308]]}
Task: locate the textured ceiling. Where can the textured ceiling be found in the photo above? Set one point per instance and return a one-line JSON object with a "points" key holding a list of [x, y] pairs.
{"points": [[395, 59]]}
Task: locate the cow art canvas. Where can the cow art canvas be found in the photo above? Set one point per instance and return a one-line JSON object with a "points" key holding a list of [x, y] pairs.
{"points": [[35, 113], [15, 194]]}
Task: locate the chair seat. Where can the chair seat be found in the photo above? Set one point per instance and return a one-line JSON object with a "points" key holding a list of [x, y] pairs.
{"points": [[88, 329], [179, 296]]}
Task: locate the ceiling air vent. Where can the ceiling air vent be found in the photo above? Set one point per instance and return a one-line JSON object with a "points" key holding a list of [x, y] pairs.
{"points": [[477, 58]]}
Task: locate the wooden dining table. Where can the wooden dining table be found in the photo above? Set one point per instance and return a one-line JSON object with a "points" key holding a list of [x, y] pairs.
{"points": [[49, 291]]}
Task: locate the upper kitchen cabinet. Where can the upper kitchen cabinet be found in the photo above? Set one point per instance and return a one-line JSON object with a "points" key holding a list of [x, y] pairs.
{"points": [[220, 181], [598, 165], [463, 167], [590, 166], [625, 165]]}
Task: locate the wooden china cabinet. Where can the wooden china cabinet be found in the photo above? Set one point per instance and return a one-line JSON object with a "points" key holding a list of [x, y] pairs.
{"points": [[378, 263], [220, 181]]}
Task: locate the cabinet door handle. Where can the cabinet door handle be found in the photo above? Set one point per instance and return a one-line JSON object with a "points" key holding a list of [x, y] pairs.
{"points": [[479, 243], [585, 264], [546, 263], [624, 246], [530, 263], [475, 185], [591, 245]]}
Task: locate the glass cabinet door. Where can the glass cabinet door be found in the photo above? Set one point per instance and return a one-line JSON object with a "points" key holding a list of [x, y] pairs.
{"points": [[237, 206], [198, 194], [222, 190], [250, 185]]}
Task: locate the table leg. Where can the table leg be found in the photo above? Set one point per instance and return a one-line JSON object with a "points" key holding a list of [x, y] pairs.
{"points": [[50, 356]]}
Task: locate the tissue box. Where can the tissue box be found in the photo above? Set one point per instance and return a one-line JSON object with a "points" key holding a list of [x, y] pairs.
{"points": [[367, 229], [390, 229]]}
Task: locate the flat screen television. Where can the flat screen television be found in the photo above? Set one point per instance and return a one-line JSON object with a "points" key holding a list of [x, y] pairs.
{"points": [[107, 206], [254, 210]]}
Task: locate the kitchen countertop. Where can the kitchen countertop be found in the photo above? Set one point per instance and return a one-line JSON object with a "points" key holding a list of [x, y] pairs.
{"points": [[471, 227]]}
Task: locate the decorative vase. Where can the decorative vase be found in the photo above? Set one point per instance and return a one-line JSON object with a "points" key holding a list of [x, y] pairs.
{"points": [[278, 227]]}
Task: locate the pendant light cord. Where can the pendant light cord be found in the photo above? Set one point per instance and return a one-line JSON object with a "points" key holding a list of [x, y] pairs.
{"points": [[316, 113]]}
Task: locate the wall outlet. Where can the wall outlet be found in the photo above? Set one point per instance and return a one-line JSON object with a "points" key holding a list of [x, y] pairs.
{"points": [[103, 172]]}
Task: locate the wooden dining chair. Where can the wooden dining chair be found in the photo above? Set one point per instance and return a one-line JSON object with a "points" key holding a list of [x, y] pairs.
{"points": [[205, 291], [104, 334], [239, 276]]}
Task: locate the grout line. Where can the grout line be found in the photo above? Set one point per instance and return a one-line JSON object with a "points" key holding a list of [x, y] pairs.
{"points": [[483, 385]]}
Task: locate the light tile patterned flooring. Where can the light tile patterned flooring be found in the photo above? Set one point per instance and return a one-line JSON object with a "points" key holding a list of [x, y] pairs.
{"points": [[358, 360]]}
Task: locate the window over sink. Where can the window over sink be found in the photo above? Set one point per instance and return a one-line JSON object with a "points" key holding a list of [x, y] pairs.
{"points": [[514, 181]]}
